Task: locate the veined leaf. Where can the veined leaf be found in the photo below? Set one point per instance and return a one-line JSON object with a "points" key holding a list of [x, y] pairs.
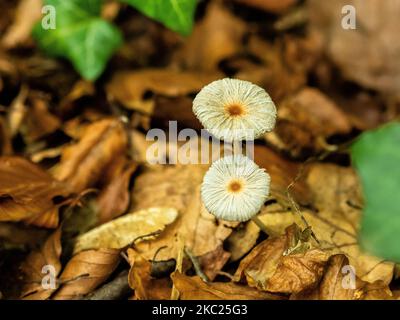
{"points": [[80, 36], [175, 14], [376, 156]]}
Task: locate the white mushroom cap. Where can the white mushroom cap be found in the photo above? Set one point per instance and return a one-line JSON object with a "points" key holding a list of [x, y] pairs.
{"points": [[232, 110], [235, 188]]}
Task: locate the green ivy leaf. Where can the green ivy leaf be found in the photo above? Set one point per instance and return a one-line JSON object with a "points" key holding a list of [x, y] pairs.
{"points": [[80, 36], [376, 156], [177, 15]]}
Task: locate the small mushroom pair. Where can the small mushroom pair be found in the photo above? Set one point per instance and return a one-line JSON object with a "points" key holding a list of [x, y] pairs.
{"points": [[235, 188]]}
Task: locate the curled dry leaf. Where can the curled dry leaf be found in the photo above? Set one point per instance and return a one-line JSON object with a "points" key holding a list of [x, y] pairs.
{"points": [[283, 172], [146, 287], [193, 288], [5, 138], [83, 163], [179, 187], [306, 120], [34, 269], [28, 193], [242, 240], [213, 261], [131, 88], [85, 272], [114, 198], [335, 193], [122, 231], [218, 36], [340, 283], [283, 264]]}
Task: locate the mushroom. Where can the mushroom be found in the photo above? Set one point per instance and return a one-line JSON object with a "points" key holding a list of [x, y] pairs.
{"points": [[235, 110], [235, 188]]}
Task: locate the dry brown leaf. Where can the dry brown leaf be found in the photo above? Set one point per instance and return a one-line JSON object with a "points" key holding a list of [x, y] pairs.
{"points": [[122, 231], [213, 261], [306, 120], [27, 14], [283, 264], [282, 172], [131, 88], [17, 111], [335, 285], [218, 36], [369, 54], [179, 187], [140, 280], [28, 192], [193, 288], [274, 6], [85, 272], [242, 240], [40, 121], [5, 138], [83, 163], [32, 268], [336, 197], [114, 198]]}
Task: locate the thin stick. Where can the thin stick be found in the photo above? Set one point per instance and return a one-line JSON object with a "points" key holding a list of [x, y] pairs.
{"points": [[196, 265]]}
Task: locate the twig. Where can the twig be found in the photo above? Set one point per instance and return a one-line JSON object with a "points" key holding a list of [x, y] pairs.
{"points": [[114, 290], [196, 265]]}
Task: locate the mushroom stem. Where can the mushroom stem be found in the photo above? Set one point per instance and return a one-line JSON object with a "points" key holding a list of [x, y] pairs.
{"points": [[263, 227]]}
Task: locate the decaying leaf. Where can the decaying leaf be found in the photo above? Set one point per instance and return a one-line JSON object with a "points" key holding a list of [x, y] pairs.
{"points": [[83, 163], [85, 272], [45, 261], [146, 287], [218, 36], [284, 264], [28, 192], [336, 196], [340, 282], [306, 120], [213, 261], [132, 88], [114, 198], [121, 232], [193, 288]]}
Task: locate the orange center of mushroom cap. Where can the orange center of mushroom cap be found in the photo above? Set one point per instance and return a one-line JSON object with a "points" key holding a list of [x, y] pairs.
{"points": [[235, 186], [235, 109]]}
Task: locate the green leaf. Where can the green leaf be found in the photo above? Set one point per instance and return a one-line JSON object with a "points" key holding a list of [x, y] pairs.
{"points": [[177, 15], [80, 36], [376, 156]]}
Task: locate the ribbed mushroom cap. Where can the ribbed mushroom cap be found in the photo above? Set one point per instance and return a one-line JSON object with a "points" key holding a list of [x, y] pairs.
{"points": [[235, 110], [235, 188]]}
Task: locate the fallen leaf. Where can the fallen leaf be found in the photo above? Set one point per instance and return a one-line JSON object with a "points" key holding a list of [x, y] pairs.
{"points": [[336, 198], [213, 261], [114, 198], [28, 192], [218, 36], [193, 288], [18, 110], [242, 240], [306, 120], [136, 89], [85, 272], [140, 280], [283, 264], [339, 284], [34, 268], [83, 163], [122, 231]]}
